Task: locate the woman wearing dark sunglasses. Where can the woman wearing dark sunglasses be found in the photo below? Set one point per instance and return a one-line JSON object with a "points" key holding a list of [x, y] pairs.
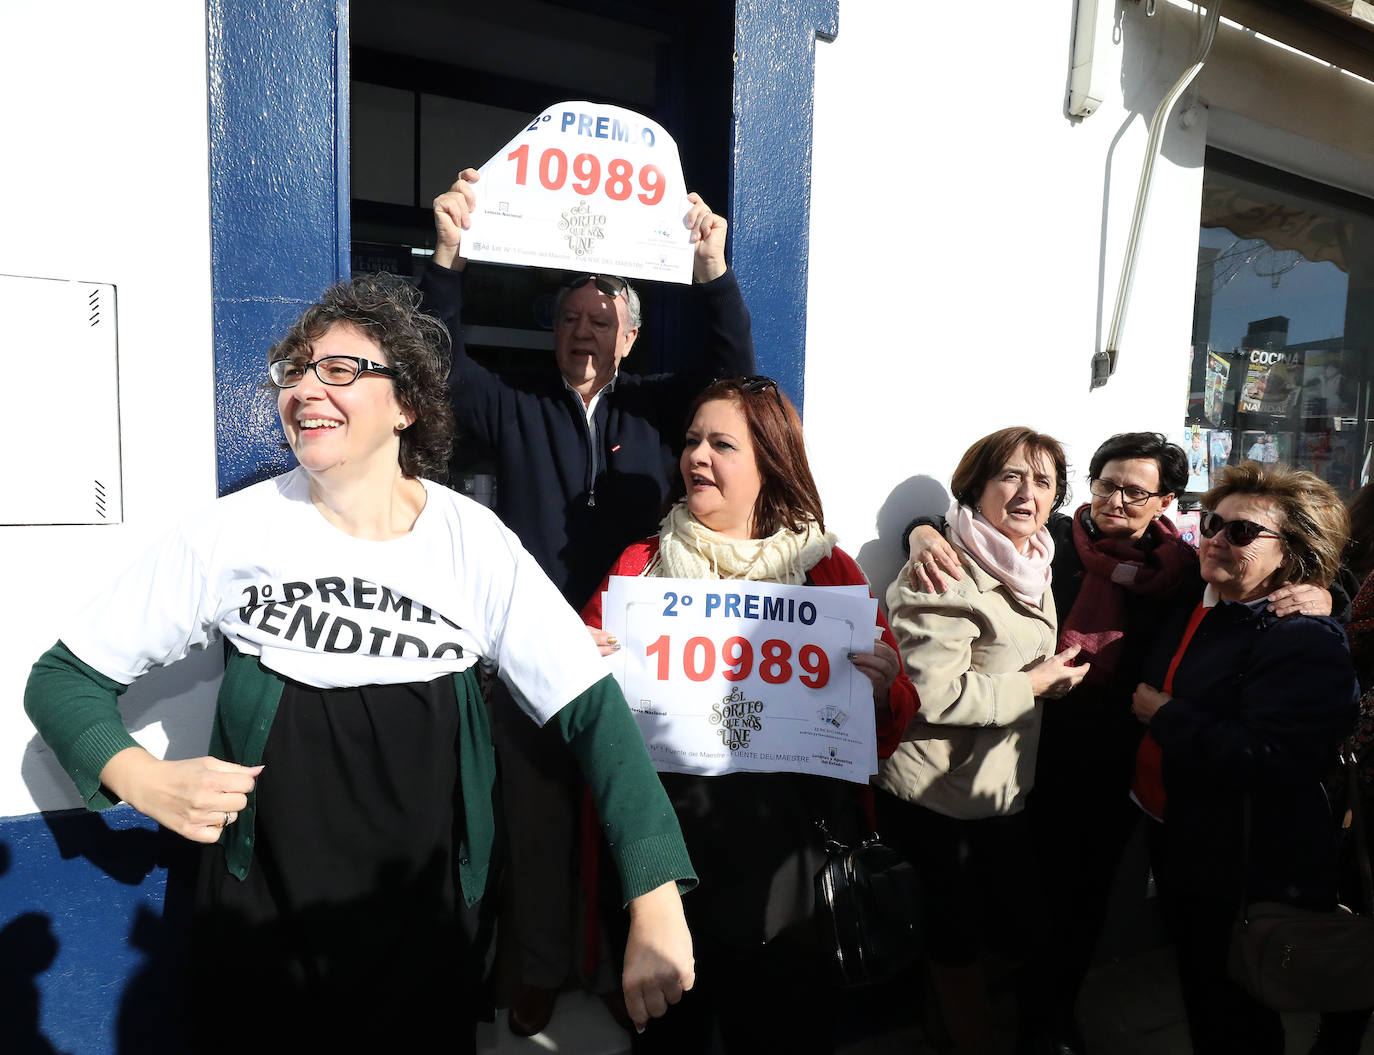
{"points": [[751, 511], [1245, 707]]}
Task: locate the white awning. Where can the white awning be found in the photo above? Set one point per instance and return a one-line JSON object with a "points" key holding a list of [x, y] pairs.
{"points": [[1339, 32], [1361, 11]]}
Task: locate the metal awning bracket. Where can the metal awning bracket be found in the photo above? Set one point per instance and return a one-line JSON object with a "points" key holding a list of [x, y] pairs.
{"points": [[1104, 362], [1103, 366]]}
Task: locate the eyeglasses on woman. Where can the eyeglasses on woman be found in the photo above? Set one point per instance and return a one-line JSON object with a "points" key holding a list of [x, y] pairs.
{"points": [[336, 370], [1131, 495]]}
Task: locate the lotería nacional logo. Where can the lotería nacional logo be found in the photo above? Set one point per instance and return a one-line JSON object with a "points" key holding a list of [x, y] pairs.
{"points": [[736, 718], [582, 228], [833, 716]]}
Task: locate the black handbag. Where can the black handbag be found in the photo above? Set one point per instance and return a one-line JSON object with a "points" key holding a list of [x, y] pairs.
{"points": [[867, 911], [1294, 959]]}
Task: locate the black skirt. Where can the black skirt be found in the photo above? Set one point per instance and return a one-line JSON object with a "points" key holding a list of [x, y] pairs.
{"points": [[348, 928]]}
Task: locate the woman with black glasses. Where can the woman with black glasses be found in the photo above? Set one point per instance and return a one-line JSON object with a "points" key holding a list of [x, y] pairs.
{"points": [[346, 805], [1246, 709], [749, 510]]}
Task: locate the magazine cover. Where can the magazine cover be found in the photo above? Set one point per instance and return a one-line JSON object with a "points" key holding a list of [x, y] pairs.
{"points": [[1271, 389], [1219, 446], [1260, 447], [1214, 391], [1195, 444]]}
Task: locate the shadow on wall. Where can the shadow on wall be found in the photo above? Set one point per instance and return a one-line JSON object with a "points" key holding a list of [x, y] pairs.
{"points": [[150, 1011], [106, 962], [105, 959], [180, 697], [882, 558], [27, 949]]}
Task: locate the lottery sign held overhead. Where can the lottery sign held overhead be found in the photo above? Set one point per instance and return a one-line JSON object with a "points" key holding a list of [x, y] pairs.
{"points": [[585, 187]]}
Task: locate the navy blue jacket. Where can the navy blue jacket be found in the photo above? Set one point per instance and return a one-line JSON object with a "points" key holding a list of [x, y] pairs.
{"points": [[1259, 705], [578, 495]]}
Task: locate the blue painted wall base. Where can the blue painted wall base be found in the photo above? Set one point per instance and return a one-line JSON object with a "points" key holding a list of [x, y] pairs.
{"points": [[89, 960]]}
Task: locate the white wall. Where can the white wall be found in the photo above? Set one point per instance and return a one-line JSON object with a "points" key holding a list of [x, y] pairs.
{"points": [[967, 238], [103, 126], [965, 244]]}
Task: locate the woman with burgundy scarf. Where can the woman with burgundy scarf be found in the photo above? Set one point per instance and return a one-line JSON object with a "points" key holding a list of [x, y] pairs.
{"points": [[1119, 565]]}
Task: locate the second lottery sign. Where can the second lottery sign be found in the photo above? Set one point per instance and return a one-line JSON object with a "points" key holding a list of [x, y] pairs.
{"points": [[727, 676], [585, 187]]}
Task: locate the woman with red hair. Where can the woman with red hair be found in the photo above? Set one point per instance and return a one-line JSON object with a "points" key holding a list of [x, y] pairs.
{"points": [[750, 511]]}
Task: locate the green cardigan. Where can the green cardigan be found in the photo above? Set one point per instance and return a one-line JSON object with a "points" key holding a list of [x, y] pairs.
{"points": [[74, 708]]}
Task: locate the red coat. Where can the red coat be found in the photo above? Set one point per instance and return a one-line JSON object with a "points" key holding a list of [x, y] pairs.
{"points": [[838, 569]]}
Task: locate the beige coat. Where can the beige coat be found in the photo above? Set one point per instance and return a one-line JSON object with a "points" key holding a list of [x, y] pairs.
{"points": [[970, 752]]}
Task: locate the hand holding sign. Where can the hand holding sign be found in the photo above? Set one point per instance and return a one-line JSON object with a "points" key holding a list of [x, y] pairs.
{"points": [[452, 216], [750, 676], [708, 235], [585, 187], [881, 667]]}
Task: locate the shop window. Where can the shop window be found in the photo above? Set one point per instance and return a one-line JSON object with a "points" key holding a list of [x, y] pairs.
{"points": [[1283, 326]]}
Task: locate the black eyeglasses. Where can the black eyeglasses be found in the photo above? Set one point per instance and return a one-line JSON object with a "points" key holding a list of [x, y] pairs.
{"points": [[1238, 532], [334, 370], [1130, 494], [759, 383], [611, 285]]}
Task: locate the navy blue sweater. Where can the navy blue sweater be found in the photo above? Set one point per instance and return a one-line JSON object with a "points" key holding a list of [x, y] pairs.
{"points": [[578, 495], [1259, 705]]}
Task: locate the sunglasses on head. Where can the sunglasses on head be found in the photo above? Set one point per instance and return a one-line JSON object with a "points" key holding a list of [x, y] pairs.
{"points": [[1237, 532], [611, 285], [760, 383]]}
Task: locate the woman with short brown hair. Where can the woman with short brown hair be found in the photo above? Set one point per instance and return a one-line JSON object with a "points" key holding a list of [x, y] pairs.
{"points": [[982, 656]]}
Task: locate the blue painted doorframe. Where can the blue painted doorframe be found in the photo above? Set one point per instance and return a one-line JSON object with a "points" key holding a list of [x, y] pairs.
{"points": [[770, 192], [279, 189], [279, 201]]}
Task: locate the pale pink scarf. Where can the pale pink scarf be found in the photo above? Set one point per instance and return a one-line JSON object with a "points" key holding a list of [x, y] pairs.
{"points": [[1026, 575]]}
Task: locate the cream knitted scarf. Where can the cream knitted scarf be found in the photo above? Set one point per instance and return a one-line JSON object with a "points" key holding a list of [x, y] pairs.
{"points": [[1026, 576], [688, 550]]}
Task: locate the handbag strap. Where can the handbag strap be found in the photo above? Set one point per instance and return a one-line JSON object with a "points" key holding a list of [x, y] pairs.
{"points": [[1355, 804], [830, 843]]}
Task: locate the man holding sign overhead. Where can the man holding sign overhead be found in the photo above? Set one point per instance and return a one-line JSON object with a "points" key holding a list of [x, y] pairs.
{"points": [[585, 453]]}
